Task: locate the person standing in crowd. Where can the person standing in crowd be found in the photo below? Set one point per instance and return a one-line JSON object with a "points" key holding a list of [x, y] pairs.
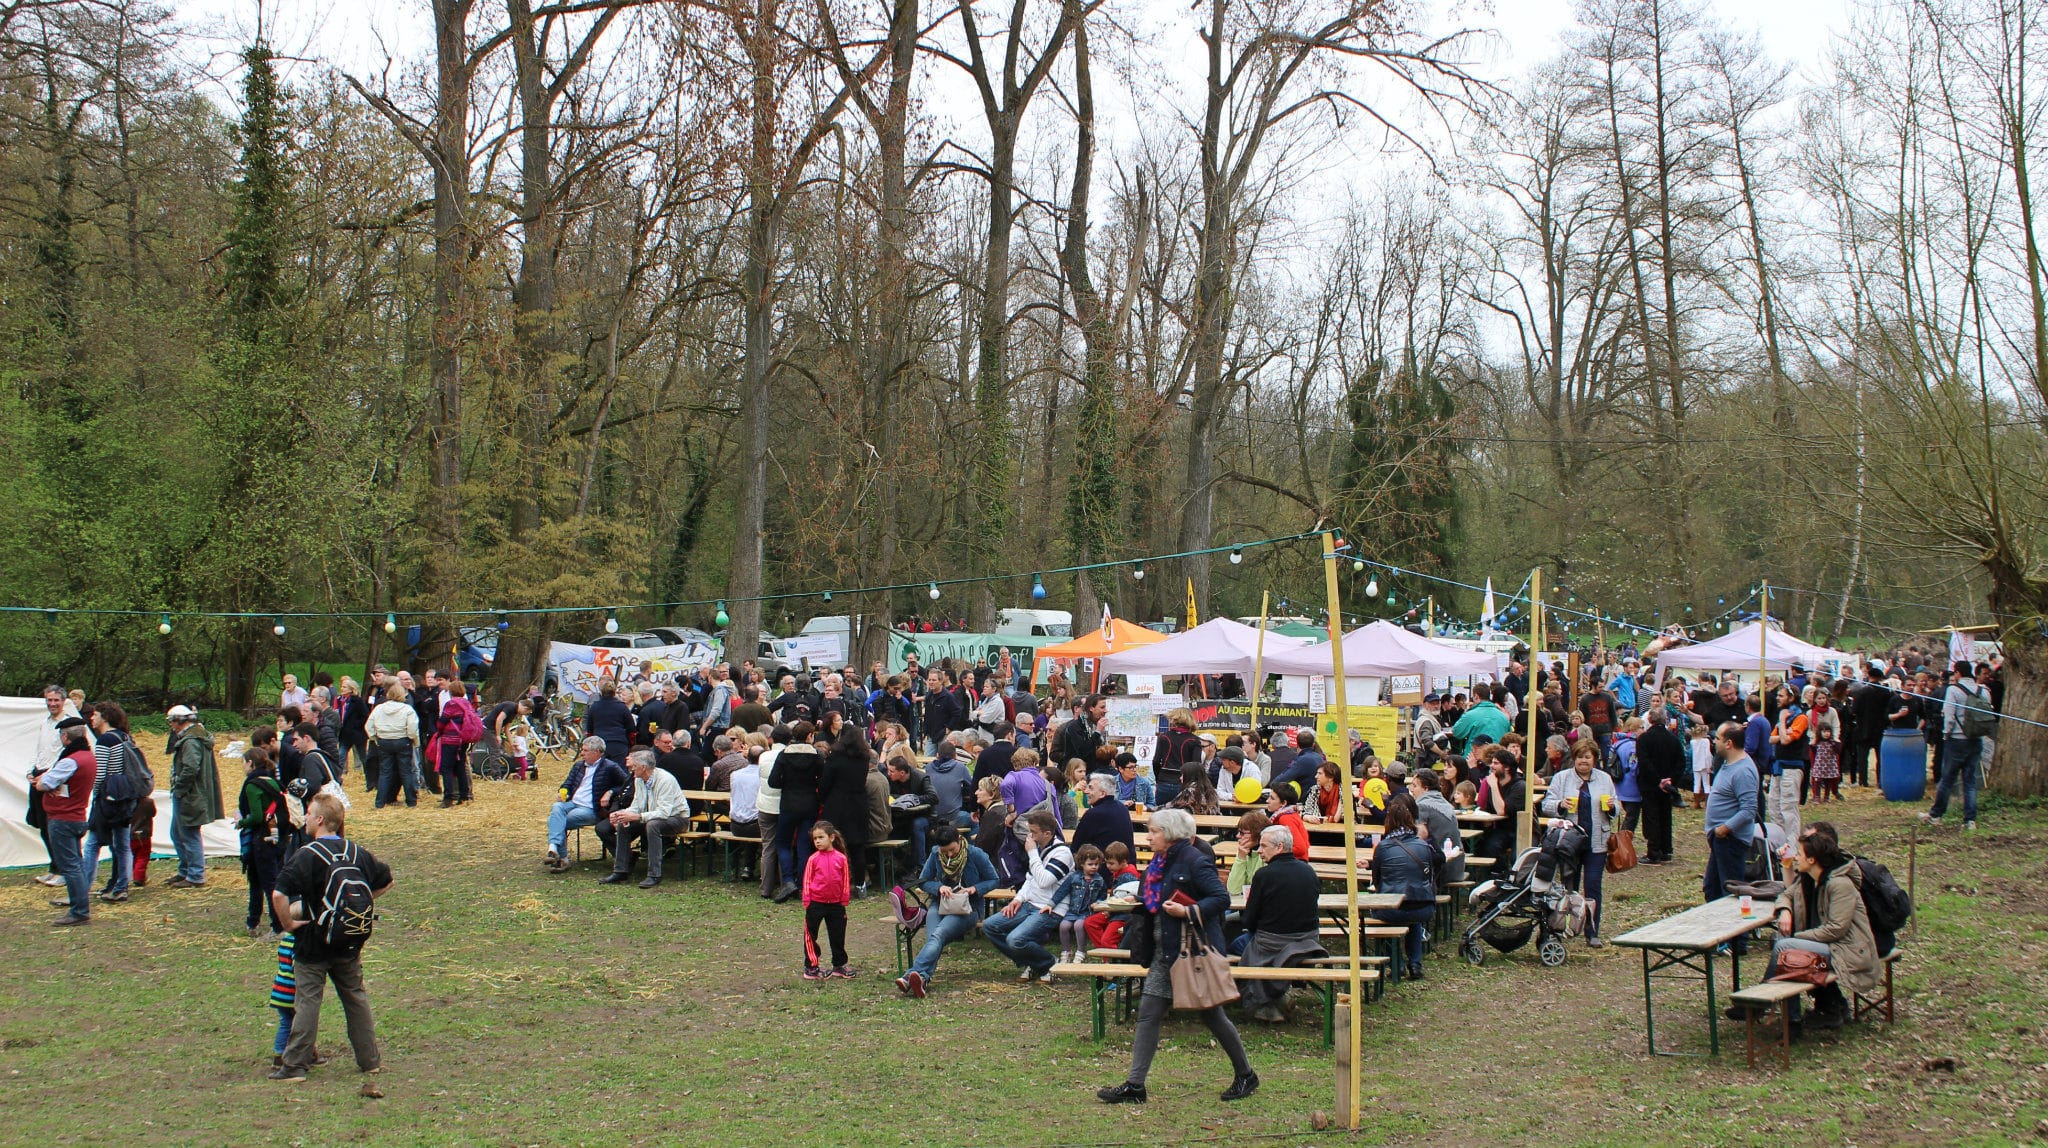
{"points": [[289, 694], [49, 747], [1586, 796], [195, 794], [1791, 754], [610, 720], [1179, 886], [393, 730], [426, 704], [1967, 722], [1082, 736], [326, 949], [266, 829], [1660, 764], [1731, 815], [797, 776], [828, 889], [718, 706], [114, 756], [1870, 704], [768, 811], [66, 787], [353, 714]]}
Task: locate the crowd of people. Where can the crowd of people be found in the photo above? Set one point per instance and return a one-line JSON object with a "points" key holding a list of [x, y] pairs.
{"points": [[985, 785]]}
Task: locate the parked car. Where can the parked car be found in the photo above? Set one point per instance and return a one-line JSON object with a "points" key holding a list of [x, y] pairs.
{"points": [[630, 640], [772, 656], [476, 650]]}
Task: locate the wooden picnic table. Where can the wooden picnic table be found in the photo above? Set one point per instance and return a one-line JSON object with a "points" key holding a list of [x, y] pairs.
{"points": [[1327, 903], [1688, 941], [1480, 817]]}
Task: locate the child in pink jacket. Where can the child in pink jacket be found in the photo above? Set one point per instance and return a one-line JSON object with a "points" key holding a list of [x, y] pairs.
{"points": [[828, 886]]}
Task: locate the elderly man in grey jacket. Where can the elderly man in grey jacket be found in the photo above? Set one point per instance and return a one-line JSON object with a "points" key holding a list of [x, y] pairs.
{"points": [[657, 812]]}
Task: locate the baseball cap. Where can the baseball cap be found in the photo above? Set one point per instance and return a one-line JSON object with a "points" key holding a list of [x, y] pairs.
{"points": [[181, 713]]}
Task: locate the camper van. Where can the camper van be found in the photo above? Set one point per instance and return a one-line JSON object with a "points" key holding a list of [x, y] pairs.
{"points": [[1035, 623]]}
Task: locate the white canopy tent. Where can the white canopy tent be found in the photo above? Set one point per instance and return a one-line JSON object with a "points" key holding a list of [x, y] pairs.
{"points": [[1383, 650], [1217, 646], [21, 726], [1748, 648]]}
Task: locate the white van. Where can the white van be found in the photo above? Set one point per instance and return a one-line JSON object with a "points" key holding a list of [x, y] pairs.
{"points": [[1035, 623]]}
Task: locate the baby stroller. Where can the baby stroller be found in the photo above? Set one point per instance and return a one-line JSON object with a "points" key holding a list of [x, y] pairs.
{"points": [[1534, 897]]}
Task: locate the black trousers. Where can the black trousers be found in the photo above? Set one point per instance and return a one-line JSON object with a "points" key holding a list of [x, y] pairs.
{"points": [[833, 917], [454, 772], [1657, 825], [261, 864]]}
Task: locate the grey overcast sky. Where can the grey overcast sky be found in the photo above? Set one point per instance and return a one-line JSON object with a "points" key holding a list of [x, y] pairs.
{"points": [[359, 33]]}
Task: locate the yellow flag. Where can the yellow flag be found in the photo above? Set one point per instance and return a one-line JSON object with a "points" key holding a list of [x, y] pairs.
{"points": [[1192, 621]]}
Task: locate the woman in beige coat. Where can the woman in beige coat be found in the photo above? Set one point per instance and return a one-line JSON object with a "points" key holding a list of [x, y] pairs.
{"points": [[1821, 910]]}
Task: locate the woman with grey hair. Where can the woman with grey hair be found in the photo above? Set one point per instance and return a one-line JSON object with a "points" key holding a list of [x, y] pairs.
{"points": [[1180, 883]]}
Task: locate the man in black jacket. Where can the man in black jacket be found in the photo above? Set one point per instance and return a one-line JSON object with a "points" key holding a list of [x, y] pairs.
{"points": [[1281, 917], [911, 818], [1081, 735], [1106, 820], [1870, 707], [426, 702], [1660, 762], [942, 711]]}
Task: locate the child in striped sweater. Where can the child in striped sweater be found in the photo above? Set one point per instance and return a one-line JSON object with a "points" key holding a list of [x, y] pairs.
{"points": [[283, 995]]}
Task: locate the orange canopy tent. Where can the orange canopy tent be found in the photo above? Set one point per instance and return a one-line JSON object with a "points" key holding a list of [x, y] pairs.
{"points": [[1114, 636]]}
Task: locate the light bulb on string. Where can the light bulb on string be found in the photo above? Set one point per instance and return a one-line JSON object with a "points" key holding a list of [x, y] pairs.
{"points": [[933, 591], [1358, 565], [828, 595], [1138, 571], [504, 621], [1372, 587], [49, 615], [1037, 589], [163, 625], [391, 623], [277, 627], [722, 618], [1236, 557], [611, 621]]}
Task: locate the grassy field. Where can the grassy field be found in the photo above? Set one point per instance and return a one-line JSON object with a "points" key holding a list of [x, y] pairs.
{"points": [[515, 1007]]}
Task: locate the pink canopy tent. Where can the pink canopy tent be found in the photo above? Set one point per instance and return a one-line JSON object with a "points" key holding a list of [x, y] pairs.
{"points": [[1217, 646], [1382, 650]]}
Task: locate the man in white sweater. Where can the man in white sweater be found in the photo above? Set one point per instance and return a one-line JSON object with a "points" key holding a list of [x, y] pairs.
{"points": [[657, 812]]}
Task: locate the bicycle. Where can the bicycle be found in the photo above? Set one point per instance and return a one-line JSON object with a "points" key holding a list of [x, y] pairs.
{"points": [[555, 732]]}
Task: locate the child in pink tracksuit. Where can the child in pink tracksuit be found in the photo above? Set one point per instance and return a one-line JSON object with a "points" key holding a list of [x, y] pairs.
{"points": [[828, 886]]}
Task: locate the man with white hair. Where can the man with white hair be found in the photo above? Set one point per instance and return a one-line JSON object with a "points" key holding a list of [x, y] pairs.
{"points": [[586, 793], [1106, 820], [657, 813], [1281, 917]]}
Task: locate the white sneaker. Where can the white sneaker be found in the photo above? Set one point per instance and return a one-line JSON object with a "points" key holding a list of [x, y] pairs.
{"points": [[1024, 974], [1047, 978], [1927, 819], [1969, 825], [50, 879]]}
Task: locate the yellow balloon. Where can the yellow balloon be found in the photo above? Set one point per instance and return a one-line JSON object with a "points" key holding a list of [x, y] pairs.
{"points": [[1248, 790]]}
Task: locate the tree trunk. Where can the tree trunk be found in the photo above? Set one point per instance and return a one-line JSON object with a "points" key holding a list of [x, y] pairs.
{"points": [[743, 589], [441, 566]]}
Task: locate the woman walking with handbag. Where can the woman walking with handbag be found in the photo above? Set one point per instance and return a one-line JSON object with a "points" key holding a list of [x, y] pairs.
{"points": [[1180, 888]]}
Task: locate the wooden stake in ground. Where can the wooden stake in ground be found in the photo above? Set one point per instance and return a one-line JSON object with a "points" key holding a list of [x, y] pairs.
{"points": [[1340, 751]]}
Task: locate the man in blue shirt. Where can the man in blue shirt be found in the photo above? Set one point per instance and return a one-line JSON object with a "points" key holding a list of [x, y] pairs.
{"points": [[1731, 817]]}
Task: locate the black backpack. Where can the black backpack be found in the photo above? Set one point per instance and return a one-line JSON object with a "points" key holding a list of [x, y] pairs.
{"points": [[347, 910], [1889, 906]]}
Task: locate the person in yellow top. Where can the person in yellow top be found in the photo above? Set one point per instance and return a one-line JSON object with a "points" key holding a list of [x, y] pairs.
{"points": [[1373, 790]]}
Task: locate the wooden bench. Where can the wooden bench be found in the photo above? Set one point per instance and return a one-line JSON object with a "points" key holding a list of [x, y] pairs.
{"points": [[1122, 978], [1876, 999], [728, 842], [1764, 999]]}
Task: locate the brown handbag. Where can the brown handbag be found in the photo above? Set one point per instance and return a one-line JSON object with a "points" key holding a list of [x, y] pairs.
{"points": [[1804, 965], [1201, 975], [1621, 851]]}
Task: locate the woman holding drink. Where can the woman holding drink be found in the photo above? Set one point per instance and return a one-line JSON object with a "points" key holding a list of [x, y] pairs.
{"points": [[1585, 796]]}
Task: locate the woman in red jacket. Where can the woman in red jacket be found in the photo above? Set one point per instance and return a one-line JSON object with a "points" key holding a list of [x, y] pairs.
{"points": [[1281, 807]]}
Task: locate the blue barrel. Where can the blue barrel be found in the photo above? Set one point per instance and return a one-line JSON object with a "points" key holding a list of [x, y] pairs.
{"points": [[1902, 765]]}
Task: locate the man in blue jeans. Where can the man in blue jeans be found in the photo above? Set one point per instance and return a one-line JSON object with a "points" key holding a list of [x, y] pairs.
{"points": [[953, 866], [1015, 931], [66, 787], [1965, 709], [1731, 818], [587, 795]]}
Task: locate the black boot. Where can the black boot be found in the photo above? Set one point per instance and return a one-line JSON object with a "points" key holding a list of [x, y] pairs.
{"points": [[1242, 1086], [1125, 1093]]}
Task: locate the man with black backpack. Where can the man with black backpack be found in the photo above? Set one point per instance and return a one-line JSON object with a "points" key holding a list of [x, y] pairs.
{"points": [[326, 896], [1967, 722]]}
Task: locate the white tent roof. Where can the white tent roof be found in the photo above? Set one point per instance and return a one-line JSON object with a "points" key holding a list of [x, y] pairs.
{"points": [[1745, 648], [21, 726], [1217, 646], [1382, 649]]}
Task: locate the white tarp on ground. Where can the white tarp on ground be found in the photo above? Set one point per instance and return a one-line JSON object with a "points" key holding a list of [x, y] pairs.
{"points": [[21, 725], [1217, 646], [580, 668], [1747, 648], [1383, 650]]}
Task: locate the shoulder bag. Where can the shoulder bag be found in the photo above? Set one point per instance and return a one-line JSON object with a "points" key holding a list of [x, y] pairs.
{"points": [[1802, 965], [1201, 975]]}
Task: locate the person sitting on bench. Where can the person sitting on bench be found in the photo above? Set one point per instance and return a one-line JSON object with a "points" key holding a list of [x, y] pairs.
{"points": [[1281, 918], [658, 813], [1821, 911]]}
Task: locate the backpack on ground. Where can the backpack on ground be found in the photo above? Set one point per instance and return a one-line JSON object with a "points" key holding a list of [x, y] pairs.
{"points": [[347, 909], [1889, 906]]}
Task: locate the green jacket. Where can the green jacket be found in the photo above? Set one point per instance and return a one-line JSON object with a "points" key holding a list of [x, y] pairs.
{"points": [[195, 784]]}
